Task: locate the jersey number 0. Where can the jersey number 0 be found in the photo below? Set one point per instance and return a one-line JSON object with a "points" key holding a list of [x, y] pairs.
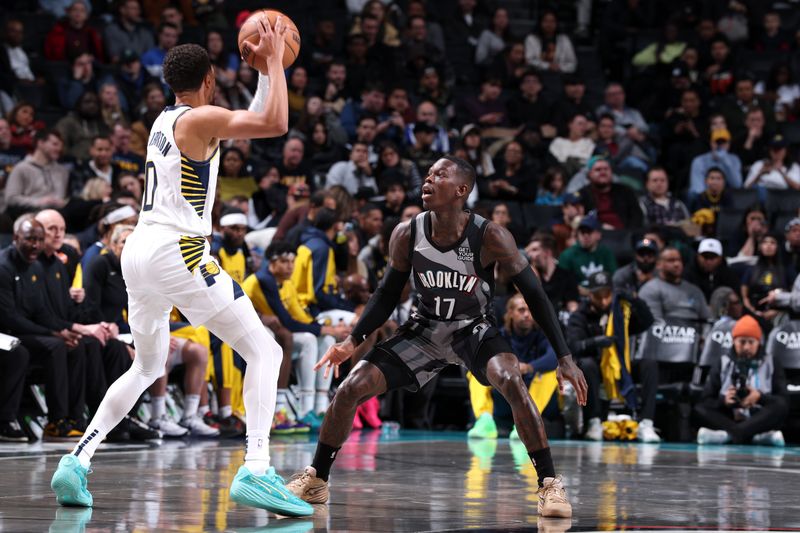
{"points": [[150, 184]]}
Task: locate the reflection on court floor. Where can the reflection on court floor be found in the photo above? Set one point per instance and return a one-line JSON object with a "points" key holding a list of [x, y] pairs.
{"points": [[414, 481]]}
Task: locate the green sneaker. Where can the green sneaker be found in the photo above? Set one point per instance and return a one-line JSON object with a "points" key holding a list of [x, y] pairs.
{"points": [[484, 428], [69, 483], [267, 492], [513, 435]]}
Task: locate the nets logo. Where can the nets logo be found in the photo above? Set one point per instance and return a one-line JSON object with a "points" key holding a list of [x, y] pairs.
{"points": [[448, 280], [790, 339], [723, 338], [674, 334]]}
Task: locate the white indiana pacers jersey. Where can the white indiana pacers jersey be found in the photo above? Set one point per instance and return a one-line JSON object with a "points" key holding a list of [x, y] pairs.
{"points": [[179, 191]]}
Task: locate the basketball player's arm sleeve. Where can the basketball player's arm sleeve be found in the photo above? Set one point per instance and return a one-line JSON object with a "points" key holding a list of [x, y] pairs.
{"points": [[381, 305], [542, 310], [260, 98]]}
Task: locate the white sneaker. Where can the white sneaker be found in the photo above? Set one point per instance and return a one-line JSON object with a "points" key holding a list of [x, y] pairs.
{"points": [[198, 428], [712, 436], [168, 427], [647, 433], [595, 430], [770, 438]]}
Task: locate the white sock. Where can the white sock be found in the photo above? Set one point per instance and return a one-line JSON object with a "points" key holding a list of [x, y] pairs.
{"points": [[158, 404], [190, 404], [257, 452], [84, 460], [225, 411], [202, 410], [321, 402]]}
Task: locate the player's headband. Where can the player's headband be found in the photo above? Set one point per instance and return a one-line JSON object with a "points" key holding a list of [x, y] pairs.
{"points": [[233, 219], [118, 215]]}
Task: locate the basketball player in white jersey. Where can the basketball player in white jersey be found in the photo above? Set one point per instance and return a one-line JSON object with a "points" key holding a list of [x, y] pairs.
{"points": [[166, 263]]}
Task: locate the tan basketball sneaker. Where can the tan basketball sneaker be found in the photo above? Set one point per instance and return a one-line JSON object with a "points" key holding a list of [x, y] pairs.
{"points": [[553, 501], [308, 487]]}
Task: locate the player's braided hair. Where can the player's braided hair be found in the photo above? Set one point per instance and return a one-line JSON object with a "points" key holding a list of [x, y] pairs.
{"points": [[185, 67]]}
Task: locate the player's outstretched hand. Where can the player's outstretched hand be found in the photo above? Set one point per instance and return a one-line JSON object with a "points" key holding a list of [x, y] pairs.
{"points": [[336, 355], [568, 370], [270, 44]]}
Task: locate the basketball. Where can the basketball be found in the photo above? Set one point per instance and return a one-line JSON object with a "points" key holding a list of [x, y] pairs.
{"points": [[249, 32]]}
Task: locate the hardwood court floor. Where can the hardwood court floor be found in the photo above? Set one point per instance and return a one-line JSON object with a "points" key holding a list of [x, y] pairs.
{"points": [[414, 481]]}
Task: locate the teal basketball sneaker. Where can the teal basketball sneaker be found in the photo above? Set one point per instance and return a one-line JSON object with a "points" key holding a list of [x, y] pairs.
{"points": [[69, 483], [267, 492]]}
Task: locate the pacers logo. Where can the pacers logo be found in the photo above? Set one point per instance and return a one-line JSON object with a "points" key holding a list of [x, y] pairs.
{"points": [[208, 271]]}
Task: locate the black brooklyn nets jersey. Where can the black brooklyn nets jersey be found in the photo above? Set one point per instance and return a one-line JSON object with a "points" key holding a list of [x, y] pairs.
{"points": [[449, 281]]}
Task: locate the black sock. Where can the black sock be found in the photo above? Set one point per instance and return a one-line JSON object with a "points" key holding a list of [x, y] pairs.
{"points": [[543, 464], [324, 458]]}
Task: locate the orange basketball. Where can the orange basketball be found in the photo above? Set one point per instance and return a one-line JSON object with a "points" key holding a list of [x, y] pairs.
{"points": [[249, 32]]}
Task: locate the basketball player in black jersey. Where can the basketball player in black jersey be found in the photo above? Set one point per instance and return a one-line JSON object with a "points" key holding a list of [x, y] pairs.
{"points": [[450, 255]]}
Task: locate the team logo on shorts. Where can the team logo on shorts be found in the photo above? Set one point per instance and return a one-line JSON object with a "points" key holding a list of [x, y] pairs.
{"points": [[212, 268]]}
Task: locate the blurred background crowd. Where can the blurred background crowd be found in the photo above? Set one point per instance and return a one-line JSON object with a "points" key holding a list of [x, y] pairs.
{"points": [[642, 153]]}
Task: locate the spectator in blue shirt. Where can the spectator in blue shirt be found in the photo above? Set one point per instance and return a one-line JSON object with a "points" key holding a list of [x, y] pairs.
{"points": [[719, 156]]}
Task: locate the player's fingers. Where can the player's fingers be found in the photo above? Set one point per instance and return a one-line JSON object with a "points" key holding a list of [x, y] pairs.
{"points": [[280, 27], [325, 358], [336, 371], [248, 49], [263, 28]]}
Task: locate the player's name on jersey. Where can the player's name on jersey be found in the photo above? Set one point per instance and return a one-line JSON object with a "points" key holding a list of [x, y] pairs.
{"points": [[447, 280], [159, 140]]}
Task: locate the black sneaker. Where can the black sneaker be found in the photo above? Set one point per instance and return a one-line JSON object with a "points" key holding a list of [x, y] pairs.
{"points": [[120, 433], [140, 431], [12, 432], [60, 431]]}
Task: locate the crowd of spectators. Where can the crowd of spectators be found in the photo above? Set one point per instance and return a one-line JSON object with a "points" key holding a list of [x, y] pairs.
{"points": [[641, 152]]}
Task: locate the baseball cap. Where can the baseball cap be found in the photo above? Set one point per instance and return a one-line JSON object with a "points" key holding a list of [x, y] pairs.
{"points": [[300, 190], [792, 223], [128, 56], [423, 127], [590, 221], [710, 246], [777, 141], [721, 134], [573, 198], [469, 128], [598, 280], [646, 244]]}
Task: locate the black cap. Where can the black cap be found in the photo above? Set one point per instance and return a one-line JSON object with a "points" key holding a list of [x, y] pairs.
{"points": [[778, 141], [598, 280], [573, 198], [646, 244], [128, 56]]}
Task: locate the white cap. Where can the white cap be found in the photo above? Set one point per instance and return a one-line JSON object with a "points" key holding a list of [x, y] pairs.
{"points": [[710, 246], [233, 219]]}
